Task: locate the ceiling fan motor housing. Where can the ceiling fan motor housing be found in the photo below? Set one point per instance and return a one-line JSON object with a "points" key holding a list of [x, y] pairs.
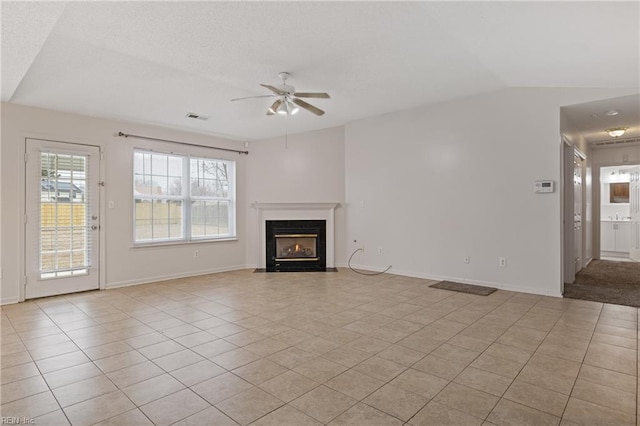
{"points": [[287, 89]]}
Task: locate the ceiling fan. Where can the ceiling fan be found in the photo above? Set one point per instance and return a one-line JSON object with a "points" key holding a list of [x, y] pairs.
{"points": [[288, 100]]}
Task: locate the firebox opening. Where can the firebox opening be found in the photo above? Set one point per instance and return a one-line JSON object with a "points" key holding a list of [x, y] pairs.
{"points": [[296, 247]]}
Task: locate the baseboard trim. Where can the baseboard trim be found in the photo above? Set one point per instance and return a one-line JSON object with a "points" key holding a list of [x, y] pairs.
{"points": [[429, 276], [129, 283], [621, 254], [9, 300]]}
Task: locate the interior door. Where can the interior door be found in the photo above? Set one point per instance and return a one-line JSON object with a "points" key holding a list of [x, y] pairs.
{"points": [[577, 211], [62, 218], [634, 207]]}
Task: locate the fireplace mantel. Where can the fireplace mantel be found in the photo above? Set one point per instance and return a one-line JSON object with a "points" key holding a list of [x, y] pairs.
{"points": [[295, 206], [295, 211]]}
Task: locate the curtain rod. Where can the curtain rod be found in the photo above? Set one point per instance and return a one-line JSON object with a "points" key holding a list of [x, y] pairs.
{"points": [[126, 135]]}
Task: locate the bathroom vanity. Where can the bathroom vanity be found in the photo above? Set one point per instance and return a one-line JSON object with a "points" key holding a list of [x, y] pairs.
{"points": [[615, 237]]}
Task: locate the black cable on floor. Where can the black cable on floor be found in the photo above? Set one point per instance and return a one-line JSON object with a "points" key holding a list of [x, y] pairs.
{"points": [[364, 273]]}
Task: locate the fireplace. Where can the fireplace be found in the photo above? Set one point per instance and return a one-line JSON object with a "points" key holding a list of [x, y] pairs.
{"points": [[296, 245]]}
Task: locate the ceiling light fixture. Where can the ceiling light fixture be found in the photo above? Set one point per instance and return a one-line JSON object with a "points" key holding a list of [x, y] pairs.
{"points": [[612, 113], [616, 132], [286, 107]]}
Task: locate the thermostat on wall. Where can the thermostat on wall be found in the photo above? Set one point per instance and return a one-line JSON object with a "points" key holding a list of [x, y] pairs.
{"points": [[543, 186]]}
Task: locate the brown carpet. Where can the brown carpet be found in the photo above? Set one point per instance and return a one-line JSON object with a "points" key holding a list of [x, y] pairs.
{"points": [[464, 288], [608, 282]]}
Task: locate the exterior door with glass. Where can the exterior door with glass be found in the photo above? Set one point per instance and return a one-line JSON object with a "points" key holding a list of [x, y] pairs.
{"points": [[62, 218]]}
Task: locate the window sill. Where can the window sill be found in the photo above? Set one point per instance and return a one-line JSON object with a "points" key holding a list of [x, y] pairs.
{"points": [[181, 243]]}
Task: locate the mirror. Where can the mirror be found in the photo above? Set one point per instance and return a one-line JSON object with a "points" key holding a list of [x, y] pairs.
{"points": [[619, 192]]}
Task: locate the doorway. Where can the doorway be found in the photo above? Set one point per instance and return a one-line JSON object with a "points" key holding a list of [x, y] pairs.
{"points": [[616, 201], [609, 238], [62, 248]]}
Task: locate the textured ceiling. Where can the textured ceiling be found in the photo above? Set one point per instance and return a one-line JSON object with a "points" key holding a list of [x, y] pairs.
{"points": [[154, 62]]}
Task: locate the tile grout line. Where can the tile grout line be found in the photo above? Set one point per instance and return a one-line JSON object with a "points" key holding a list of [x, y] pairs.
{"points": [[318, 315], [494, 341]]}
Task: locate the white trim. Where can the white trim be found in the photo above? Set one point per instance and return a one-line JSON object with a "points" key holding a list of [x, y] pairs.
{"points": [[9, 300], [295, 211], [294, 206], [186, 199], [103, 220], [507, 287], [182, 242], [147, 280], [580, 153]]}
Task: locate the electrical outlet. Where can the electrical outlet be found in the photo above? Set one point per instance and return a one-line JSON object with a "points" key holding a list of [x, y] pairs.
{"points": [[503, 262], [196, 253], [467, 259], [379, 250]]}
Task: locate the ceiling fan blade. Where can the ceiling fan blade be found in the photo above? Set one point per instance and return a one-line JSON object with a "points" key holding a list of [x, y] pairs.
{"points": [[274, 107], [273, 89], [312, 95], [307, 106], [253, 97]]}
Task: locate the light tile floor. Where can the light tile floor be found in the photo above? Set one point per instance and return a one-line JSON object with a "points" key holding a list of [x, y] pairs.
{"points": [[309, 349]]}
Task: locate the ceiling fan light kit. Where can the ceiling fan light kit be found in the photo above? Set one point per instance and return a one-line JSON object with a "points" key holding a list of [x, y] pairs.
{"points": [[288, 101], [616, 132], [284, 108]]}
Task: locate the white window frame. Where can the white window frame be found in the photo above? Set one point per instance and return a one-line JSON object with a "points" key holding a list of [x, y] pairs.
{"points": [[231, 173], [186, 198]]}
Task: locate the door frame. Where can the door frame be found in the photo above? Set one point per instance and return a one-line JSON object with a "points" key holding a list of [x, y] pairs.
{"points": [[597, 200], [568, 153], [23, 205]]}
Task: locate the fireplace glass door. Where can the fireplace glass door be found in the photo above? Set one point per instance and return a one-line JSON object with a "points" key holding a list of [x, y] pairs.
{"points": [[290, 247]]}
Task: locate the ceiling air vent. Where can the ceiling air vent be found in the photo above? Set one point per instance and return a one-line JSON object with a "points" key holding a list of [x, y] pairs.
{"points": [[617, 142], [196, 116]]}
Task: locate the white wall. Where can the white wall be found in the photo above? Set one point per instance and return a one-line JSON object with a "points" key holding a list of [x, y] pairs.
{"points": [[309, 168], [616, 156], [123, 264], [609, 211], [456, 179], [428, 186]]}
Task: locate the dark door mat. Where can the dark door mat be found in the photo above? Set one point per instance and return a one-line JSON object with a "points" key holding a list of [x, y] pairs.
{"points": [[464, 288]]}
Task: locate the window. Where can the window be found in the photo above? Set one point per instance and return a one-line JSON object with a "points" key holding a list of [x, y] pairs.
{"points": [[181, 198]]}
